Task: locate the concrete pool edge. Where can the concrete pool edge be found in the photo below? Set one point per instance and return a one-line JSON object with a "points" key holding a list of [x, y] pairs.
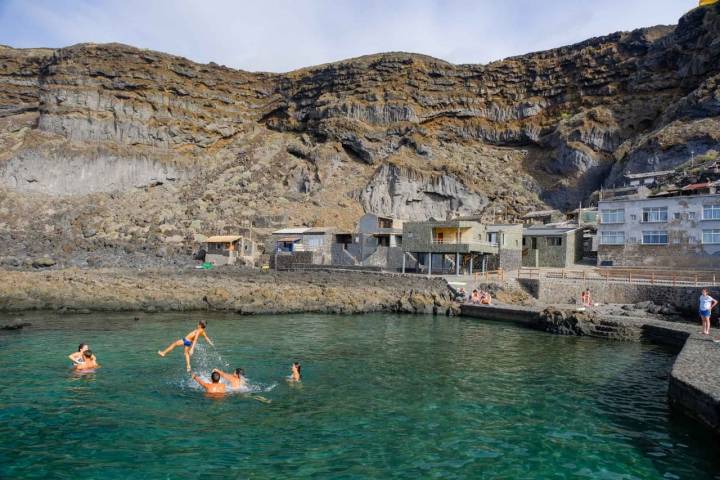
{"points": [[694, 380]]}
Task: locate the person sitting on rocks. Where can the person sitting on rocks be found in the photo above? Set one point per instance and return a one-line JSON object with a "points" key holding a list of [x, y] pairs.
{"points": [[485, 298], [89, 362], [236, 380], [214, 388], [461, 295], [475, 297]]}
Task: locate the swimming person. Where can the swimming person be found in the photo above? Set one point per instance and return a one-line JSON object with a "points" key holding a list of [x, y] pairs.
{"points": [[707, 303], [215, 388], [89, 362], [78, 357], [188, 341], [236, 380], [295, 372]]}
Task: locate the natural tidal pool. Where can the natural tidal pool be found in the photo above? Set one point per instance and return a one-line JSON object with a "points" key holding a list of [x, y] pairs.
{"points": [[382, 396]]}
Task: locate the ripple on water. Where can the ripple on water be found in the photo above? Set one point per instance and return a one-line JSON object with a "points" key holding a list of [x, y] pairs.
{"points": [[382, 396]]}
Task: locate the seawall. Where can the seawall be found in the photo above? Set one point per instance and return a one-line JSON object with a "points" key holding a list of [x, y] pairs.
{"points": [[567, 291], [694, 383]]}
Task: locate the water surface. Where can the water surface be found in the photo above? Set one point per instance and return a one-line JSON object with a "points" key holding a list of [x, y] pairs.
{"points": [[383, 397]]}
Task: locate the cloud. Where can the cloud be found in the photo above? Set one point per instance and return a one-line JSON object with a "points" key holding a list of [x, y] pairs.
{"points": [[281, 35]]}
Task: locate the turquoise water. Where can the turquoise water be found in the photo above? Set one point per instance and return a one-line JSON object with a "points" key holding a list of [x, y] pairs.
{"points": [[383, 397]]}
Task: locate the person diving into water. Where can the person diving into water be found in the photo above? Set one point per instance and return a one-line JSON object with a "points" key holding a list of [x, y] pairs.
{"points": [[188, 341]]}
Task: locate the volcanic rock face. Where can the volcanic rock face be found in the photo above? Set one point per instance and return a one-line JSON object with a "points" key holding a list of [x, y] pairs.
{"points": [[400, 193], [146, 148]]}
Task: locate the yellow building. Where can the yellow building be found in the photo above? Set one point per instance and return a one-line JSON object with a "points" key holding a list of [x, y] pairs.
{"points": [[704, 3]]}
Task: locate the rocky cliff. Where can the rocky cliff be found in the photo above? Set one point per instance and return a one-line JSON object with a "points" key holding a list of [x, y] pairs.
{"points": [[117, 149]]}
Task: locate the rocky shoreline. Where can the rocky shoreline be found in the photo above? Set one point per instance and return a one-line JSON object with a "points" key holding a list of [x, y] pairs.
{"points": [[243, 291]]}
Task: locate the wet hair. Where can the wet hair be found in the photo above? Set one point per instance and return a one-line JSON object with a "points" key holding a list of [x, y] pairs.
{"points": [[215, 377], [202, 323], [80, 347], [299, 368], [88, 353], [239, 372]]}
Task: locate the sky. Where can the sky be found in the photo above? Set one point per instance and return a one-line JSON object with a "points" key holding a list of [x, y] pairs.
{"points": [[283, 35]]}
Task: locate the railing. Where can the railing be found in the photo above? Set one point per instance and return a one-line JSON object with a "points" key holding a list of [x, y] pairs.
{"points": [[442, 241], [498, 275], [627, 275]]}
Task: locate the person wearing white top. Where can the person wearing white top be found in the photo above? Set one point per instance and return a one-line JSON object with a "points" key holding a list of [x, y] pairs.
{"points": [[707, 303]]}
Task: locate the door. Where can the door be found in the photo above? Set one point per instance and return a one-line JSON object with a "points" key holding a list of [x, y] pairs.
{"points": [[440, 237]]}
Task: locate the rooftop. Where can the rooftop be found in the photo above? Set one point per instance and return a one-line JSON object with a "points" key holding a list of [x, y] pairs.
{"points": [[223, 239]]}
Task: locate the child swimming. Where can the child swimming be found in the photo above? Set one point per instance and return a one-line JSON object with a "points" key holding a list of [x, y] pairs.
{"points": [[236, 380], [89, 362], [295, 372], [78, 357], [215, 388], [188, 341]]}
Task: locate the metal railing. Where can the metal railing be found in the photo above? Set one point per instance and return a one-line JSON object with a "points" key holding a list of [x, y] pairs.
{"points": [[636, 276], [452, 241]]}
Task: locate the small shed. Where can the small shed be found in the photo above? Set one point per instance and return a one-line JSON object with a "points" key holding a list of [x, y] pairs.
{"points": [[226, 249]]}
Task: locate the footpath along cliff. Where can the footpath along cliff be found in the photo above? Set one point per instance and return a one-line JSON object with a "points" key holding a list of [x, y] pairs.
{"points": [[112, 155]]}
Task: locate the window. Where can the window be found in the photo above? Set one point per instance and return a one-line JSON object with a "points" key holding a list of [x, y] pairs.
{"points": [[492, 237], [612, 238], [655, 238], [612, 216], [711, 212], [655, 214], [554, 241], [677, 215], [691, 215], [711, 236]]}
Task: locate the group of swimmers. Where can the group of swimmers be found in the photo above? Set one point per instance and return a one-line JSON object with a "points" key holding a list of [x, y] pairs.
{"points": [[84, 361]]}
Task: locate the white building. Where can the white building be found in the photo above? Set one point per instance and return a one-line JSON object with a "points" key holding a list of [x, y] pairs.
{"points": [[671, 231]]}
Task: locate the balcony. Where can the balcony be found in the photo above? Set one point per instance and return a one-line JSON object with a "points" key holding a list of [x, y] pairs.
{"points": [[441, 245]]}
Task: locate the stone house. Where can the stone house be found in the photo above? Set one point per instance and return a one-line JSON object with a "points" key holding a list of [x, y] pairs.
{"points": [[556, 246], [542, 217], [678, 232], [228, 249], [377, 242], [460, 246], [301, 245]]}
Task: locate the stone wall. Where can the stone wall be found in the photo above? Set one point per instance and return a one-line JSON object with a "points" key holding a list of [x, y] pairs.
{"points": [[558, 291], [290, 260], [509, 260]]}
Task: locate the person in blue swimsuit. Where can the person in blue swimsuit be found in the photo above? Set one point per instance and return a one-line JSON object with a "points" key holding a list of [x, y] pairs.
{"points": [[188, 341]]}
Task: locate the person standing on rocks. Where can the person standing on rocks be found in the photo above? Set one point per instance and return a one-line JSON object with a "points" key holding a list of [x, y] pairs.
{"points": [[707, 303]]}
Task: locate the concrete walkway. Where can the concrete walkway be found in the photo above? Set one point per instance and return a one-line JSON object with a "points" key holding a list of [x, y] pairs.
{"points": [[695, 377]]}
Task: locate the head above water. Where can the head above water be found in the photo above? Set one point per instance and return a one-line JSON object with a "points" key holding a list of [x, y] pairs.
{"points": [[215, 377], [297, 366], [202, 324], [82, 347], [88, 353], [239, 372]]}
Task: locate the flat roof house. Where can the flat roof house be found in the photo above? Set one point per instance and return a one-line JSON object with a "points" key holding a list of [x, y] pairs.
{"points": [[377, 242], [462, 246], [227, 249], [542, 217], [301, 245], [664, 231], [552, 246]]}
